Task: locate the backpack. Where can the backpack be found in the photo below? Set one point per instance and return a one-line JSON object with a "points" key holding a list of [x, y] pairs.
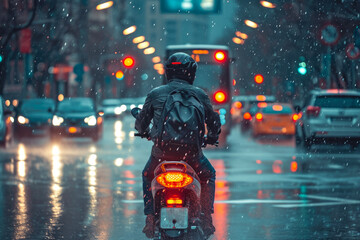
{"points": [[182, 122]]}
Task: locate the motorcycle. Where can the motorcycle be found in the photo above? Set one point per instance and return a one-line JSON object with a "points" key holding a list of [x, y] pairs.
{"points": [[176, 191]]}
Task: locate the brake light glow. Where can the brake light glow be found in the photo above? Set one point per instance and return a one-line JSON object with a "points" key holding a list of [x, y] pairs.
{"points": [[176, 63], [174, 201], [262, 104], [247, 116], [174, 179], [295, 117], [220, 56], [313, 111], [238, 105], [220, 96], [259, 117], [72, 130]]}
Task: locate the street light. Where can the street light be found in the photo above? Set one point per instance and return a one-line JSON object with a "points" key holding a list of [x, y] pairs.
{"points": [[238, 40], [267, 4], [156, 59], [129, 30], [138, 39], [104, 5], [149, 50], [251, 24], [241, 35], [143, 45]]}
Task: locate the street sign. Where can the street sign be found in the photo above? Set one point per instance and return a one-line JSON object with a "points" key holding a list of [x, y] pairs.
{"points": [[352, 51], [329, 34]]}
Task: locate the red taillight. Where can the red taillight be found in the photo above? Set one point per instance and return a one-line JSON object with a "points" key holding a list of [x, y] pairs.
{"points": [[259, 117], [174, 179], [247, 116], [313, 111], [174, 201], [295, 117], [220, 96], [220, 56]]}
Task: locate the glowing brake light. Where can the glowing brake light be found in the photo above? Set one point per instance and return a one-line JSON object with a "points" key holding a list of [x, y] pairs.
{"points": [[174, 201], [259, 117], [295, 117], [238, 105], [220, 96], [220, 56], [174, 179], [247, 116]]}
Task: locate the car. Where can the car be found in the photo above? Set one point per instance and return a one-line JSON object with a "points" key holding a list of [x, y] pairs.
{"points": [[330, 116], [6, 124], [33, 117], [248, 107], [77, 117], [112, 107], [274, 118]]}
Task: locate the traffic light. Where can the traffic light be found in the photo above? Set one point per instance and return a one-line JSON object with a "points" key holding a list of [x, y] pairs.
{"points": [[129, 62], [302, 66], [220, 56], [119, 75], [1, 58], [259, 79]]}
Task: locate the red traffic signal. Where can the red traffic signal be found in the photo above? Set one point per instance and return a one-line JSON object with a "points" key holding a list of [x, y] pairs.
{"points": [[259, 79], [220, 96], [220, 56], [128, 62]]}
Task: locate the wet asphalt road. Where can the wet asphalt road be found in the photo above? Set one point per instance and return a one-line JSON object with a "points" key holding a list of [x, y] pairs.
{"points": [[265, 189]]}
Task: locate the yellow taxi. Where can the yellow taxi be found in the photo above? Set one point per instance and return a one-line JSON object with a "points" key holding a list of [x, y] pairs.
{"points": [[274, 118]]}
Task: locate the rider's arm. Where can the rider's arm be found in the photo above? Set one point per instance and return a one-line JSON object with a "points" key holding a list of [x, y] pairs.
{"points": [[143, 119], [212, 120]]}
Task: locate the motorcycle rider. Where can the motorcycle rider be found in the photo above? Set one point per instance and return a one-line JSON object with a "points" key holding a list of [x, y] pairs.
{"points": [[180, 71]]}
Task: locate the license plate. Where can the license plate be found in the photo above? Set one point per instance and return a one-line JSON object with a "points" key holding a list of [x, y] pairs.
{"points": [[73, 130], [174, 218]]}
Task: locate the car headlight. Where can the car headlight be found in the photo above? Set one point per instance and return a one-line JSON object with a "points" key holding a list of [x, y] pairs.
{"points": [[117, 110], [91, 121], [23, 120], [57, 121], [123, 108]]}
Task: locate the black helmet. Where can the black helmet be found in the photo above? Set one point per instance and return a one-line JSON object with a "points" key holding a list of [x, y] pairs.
{"points": [[181, 65]]}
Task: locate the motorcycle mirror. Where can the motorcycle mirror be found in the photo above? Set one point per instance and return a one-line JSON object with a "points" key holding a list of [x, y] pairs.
{"points": [[135, 111]]}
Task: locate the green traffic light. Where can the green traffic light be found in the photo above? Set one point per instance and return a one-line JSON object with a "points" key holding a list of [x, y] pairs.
{"points": [[1, 58], [302, 70]]}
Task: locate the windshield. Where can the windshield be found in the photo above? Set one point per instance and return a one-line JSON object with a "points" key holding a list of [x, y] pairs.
{"points": [[36, 106], [338, 101], [73, 105]]}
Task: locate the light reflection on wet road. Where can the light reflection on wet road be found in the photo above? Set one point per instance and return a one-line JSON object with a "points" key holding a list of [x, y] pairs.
{"points": [[264, 190]]}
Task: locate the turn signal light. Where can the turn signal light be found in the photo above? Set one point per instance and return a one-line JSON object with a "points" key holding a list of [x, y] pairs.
{"points": [[174, 179], [220, 96]]}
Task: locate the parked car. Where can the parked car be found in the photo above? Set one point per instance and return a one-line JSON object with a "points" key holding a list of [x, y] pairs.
{"points": [[33, 117], [5, 124], [330, 116], [274, 118], [77, 117]]}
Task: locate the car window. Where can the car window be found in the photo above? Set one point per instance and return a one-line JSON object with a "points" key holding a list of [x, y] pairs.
{"points": [[75, 105], [277, 109], [337, 101], [36, 106]]}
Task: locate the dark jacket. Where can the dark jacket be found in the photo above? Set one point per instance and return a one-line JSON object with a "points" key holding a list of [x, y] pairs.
{"points": [[153, 107]]}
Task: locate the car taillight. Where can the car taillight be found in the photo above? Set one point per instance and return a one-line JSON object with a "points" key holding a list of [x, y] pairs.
{"points": [[295, 117], [220, 96], [313, 111], [247, 116], [259, 117], [238, 105], [174, 200], [174, 179]]}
